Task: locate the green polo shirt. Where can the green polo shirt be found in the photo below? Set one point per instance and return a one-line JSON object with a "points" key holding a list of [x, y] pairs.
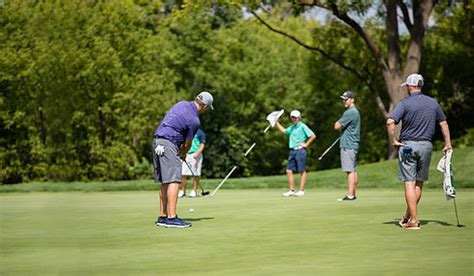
{"points": [[298, 133], [350, 129], [199, 138]]}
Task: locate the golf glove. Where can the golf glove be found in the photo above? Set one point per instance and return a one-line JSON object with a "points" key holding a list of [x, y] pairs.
{"points": [[160, 150]]}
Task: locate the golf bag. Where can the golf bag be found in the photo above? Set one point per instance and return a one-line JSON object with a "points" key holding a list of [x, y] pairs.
{"points": [[445, 167]]}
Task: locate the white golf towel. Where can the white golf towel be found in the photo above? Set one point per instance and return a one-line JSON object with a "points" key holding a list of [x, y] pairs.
{"points": [[444, 166], [273, 117]]}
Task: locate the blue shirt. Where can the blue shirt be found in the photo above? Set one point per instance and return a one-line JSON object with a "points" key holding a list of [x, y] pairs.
{"points": [[298, 133], [180, 123], [350, 126], [419, 114]]}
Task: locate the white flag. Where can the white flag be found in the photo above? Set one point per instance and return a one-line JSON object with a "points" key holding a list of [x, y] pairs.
{"points": [[273, 117], [444, 165]]}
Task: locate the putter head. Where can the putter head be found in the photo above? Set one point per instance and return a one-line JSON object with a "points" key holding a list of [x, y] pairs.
{"points": [[461, 225], [205, 193]]}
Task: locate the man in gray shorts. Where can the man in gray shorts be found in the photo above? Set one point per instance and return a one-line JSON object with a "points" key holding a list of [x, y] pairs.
{"points": [[419, 115], [173, 138], [349, 125]]}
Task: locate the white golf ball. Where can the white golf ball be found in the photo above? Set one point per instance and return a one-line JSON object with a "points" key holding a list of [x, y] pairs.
{"points": [[191, 210]]}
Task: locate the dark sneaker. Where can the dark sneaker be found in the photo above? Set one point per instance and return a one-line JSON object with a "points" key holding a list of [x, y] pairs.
{"points": [[346, 198], [403, 221], [412, 225], [161, 221], [177, 223]]}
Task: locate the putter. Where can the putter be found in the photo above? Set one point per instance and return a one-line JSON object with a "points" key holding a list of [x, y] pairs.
{"points": [[203, 193], [328, 149]]}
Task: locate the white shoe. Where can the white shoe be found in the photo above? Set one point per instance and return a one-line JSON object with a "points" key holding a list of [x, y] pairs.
{"points": [[289, 193], [181, 194], [192, 194], [299, 193]]}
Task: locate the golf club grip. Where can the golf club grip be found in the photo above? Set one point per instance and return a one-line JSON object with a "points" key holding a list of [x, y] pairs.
{"points": [[223, 180]]}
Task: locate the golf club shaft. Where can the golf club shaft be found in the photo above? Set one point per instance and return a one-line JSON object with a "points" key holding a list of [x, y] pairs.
{"points": [[192, 172], [330, 147], [456, 211], [222, 182]]}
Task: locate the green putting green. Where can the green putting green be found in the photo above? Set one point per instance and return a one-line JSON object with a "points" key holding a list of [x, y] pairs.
{"points": [[254, 232]]}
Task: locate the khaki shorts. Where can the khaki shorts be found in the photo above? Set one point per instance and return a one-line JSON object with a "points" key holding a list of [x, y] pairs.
{"points": [[195, 165]]}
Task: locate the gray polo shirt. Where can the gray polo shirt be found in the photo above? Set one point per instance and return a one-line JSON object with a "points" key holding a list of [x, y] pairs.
{"points": [[419, 114]]}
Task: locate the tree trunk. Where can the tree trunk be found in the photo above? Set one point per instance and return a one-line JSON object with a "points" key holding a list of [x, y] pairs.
{"points": [[396, 93], [392, 70]]}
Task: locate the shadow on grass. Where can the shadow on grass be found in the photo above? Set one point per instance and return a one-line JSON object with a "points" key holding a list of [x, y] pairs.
{"points": [[195, 219], [422, 222]]}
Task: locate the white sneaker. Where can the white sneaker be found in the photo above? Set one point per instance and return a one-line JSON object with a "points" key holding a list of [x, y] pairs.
{"points": [[192, 194], [289, 193], [299, 193], [181, 194]]}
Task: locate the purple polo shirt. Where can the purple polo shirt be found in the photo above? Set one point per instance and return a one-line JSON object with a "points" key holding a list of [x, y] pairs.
{"points": [[180, 123], [419, 114]]}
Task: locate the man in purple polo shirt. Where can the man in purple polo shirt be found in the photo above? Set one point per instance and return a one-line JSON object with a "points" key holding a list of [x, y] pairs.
{"points": [[173, 138], [419, 115]]}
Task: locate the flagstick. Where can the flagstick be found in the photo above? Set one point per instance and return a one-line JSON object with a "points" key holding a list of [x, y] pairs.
{"points": [[268, 127]]}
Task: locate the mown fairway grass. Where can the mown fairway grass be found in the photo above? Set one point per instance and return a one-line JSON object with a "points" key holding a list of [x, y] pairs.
{"points": [[238, 232]]}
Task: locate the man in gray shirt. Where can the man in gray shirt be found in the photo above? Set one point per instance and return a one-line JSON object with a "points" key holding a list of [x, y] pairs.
{"points": [[419, 115]]}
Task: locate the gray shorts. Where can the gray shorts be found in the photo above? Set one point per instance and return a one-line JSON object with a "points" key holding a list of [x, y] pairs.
{"points": [[348, 160], [166, 166], [414, 165]]}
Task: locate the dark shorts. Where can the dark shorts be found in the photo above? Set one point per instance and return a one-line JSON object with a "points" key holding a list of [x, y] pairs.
{"points": [[167, 166], [414, 165], [297, 160]]}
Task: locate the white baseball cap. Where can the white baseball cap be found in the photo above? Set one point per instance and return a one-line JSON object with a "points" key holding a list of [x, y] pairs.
{"points": [[414, 80], [295, 113], [205, 98]]}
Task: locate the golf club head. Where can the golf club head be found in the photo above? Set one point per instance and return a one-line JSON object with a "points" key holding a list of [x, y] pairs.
{"points": [[205, 193], [461, 225]]}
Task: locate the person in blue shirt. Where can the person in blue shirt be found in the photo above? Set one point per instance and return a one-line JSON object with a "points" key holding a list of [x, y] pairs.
{"points": [[419, 115], [349, 126], [301, 136], [193, 162], [173, 138]]}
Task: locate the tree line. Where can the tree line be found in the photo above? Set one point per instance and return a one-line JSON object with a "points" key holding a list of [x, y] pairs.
{"points": [[84, 84]]}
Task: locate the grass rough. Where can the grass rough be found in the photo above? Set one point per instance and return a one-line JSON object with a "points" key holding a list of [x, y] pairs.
{"points": [[376, 175]]}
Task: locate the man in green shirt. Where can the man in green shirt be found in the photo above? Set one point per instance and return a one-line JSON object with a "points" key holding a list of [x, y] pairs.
{"points": [[194, 160], [301, 136], [349, 125]]}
